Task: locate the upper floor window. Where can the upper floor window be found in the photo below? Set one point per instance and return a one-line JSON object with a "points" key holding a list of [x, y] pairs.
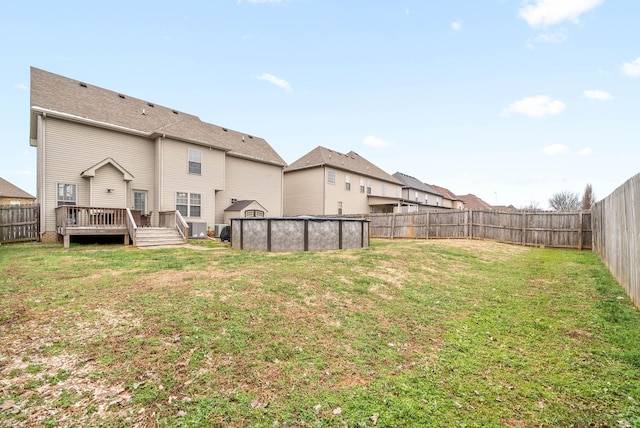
{"points": [[347, 182], [362, 185], [368, 187], [195, 161], [67, 194], [416, 195], [339, 207], [331, 177], [254, 213], [384, 189], [188, 204]]}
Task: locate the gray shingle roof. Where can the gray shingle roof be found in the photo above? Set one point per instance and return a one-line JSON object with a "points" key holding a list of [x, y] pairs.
{"points": [[414, 183], [8, 190], [321, 156], [54, 93]]}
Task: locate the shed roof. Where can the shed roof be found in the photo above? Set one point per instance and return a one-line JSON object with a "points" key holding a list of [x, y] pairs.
{"points": [[240, 205], [76, 100], [9, 190], [353, 162], [414, 183]]}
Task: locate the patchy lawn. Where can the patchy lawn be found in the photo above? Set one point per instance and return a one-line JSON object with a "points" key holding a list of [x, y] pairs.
{"points": [[403, 333]]}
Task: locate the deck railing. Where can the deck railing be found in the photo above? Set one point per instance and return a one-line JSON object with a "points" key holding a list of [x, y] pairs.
{"points": [[174, 219], [96, 217]]}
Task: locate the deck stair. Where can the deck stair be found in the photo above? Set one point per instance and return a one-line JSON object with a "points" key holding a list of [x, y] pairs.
{"points": [[156, 236]]}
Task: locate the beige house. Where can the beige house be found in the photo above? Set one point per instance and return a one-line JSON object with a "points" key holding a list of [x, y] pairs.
{"points": [[122, 157], [11, 194], [449, 199], [326, 182]]}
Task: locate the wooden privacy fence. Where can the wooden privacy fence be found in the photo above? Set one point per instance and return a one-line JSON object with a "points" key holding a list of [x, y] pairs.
{"points": [[19, 223], [616, 235], [549, 229]]}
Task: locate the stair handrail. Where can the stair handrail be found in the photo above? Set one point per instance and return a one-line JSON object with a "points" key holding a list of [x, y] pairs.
{"points": [[182, 226], [131, 226]]}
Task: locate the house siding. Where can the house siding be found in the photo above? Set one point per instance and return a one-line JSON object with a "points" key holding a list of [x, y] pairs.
{"points": [[71, 148], [303, 192], [249, 180], [176, 177]]}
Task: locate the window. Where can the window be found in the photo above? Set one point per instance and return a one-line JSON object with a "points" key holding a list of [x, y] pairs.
{"points": [[182, 203], [362, 185], [254, 213], [331, 177], [67, 194], [368, 187], [416, 195], [188, 204], [195, 161], [339, 207], [384, 189], [347, 182], [195, 202], [140, 201]]}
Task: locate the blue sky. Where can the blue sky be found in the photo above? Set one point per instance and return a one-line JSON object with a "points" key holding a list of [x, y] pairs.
{"points": [[512, 101]]}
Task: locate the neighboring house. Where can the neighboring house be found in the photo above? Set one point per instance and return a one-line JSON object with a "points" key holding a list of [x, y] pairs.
{"points": [[472, 202], [103, 149], [449, 199], [416, 195], [13, 195], [326, 182]]}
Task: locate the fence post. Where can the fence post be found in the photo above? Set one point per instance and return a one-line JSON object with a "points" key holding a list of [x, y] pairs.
{"points": [[580, 232], [427, 224], [393, 225], [524, 228], [470, 219]]}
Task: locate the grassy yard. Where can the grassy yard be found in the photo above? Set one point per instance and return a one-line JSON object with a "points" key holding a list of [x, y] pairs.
{"points": [[403, 333]]}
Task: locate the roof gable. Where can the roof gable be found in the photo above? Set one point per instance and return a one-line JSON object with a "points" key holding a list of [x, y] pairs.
{"points": [[91, 172], [75, 100], [352, 162]]}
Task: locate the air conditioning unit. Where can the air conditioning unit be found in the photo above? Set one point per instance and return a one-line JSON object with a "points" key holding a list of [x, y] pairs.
{"points": [[218, 228], [197, 230]]}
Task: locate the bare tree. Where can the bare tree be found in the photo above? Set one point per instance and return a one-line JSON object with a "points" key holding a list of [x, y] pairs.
{"points": [[565, 201], [589, 198], [531, 206]]}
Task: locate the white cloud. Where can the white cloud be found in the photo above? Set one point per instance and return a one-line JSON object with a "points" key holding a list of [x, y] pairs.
{"points": [[538, 106], [543, 13], [632, 69], [375, 142], [555, 149], [585, 152], [457, 25], [598, 95], [22, 87], [552, 37], [281, 83]]}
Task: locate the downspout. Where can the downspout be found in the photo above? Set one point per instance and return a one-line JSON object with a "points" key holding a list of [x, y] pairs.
{"points": [[324, 190], [41, 182]]}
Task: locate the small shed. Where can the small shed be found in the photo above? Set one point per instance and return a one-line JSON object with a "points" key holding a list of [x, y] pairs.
{"points": [[244, 208]]}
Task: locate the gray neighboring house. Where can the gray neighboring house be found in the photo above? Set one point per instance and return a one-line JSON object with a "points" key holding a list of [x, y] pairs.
{"points": [[327, 182], [416, 195], [106, 152], [10, 194]]}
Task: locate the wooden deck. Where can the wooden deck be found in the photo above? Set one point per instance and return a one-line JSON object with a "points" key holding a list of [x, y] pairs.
{"points": [[74, 220]]}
